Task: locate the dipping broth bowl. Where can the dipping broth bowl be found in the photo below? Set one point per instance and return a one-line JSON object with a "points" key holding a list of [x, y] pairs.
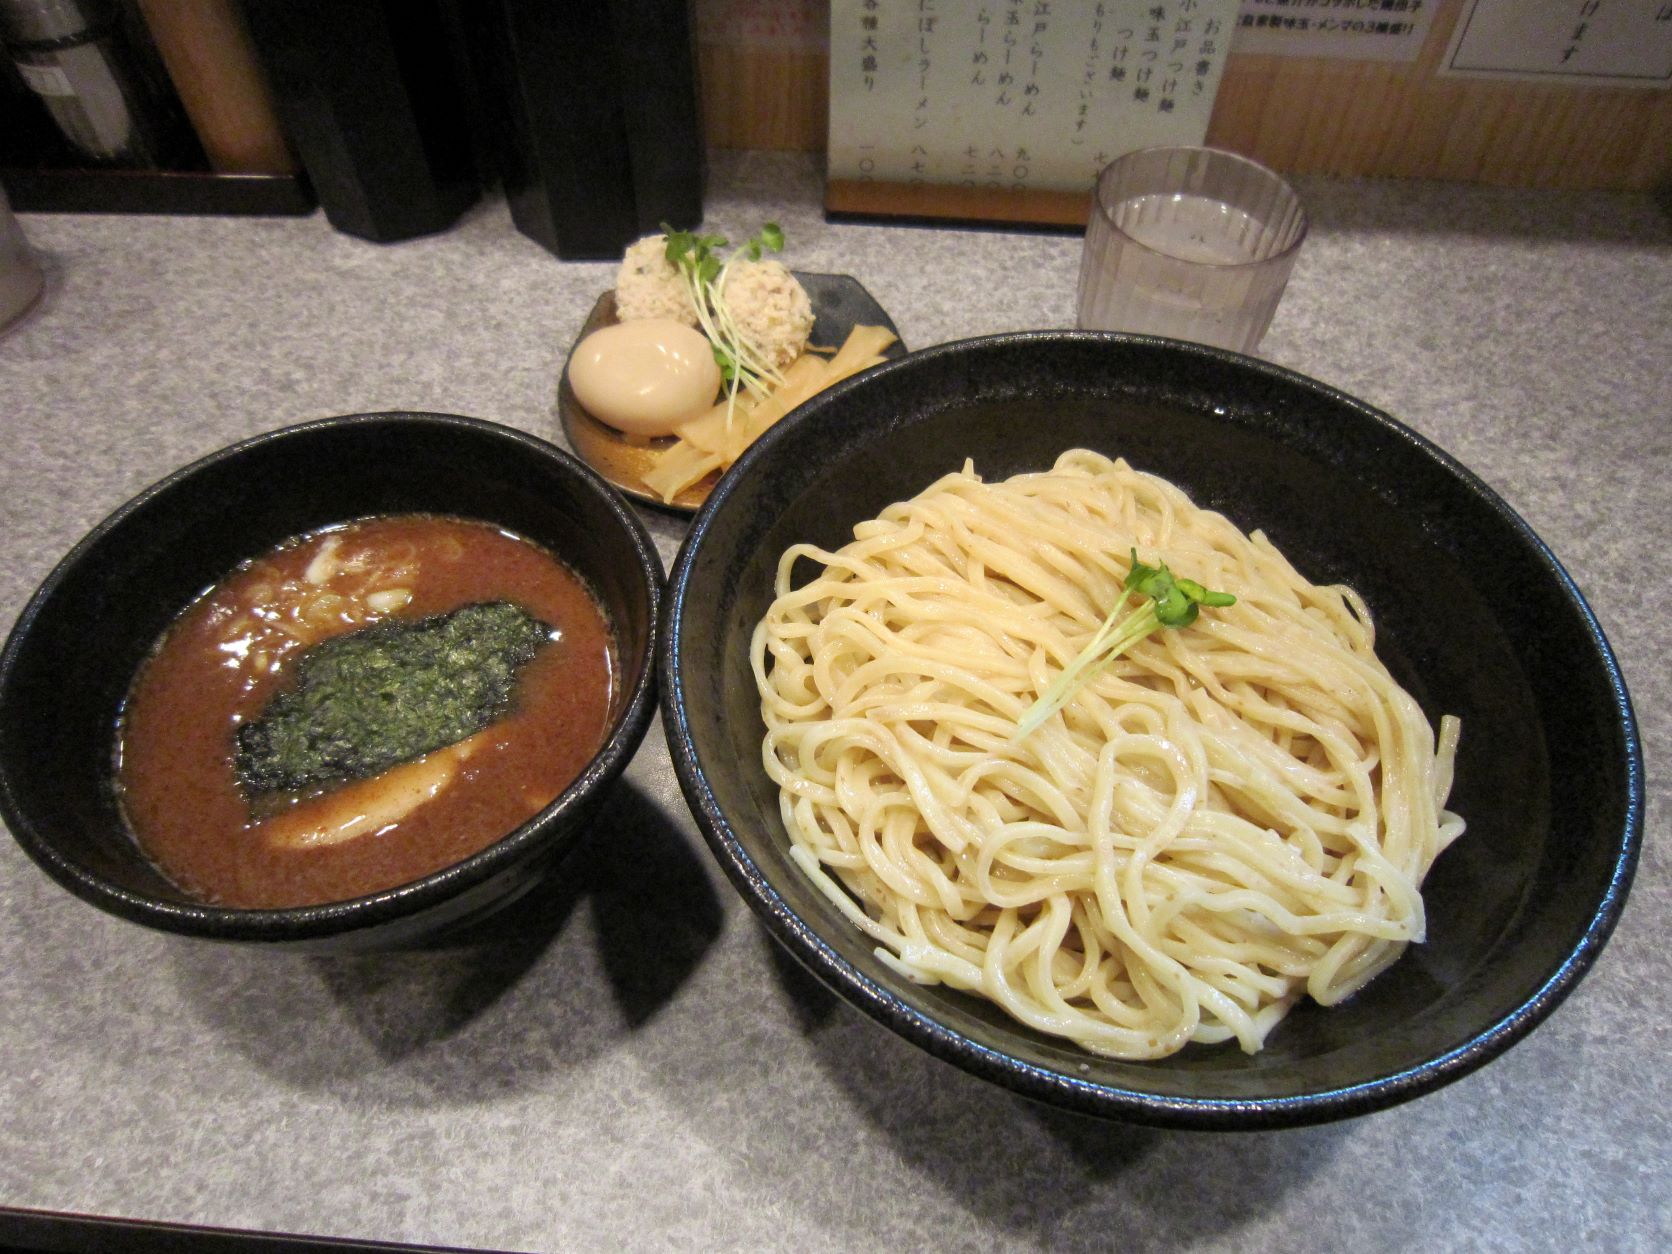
{"points": [[129, 578], [1474, 616]]}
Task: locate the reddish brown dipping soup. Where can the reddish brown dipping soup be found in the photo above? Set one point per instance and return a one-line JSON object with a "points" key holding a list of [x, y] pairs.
{"points": [[232, 828]]}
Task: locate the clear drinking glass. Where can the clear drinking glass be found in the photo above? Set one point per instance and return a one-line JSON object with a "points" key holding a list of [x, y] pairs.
{"points": [[1193, 243]]}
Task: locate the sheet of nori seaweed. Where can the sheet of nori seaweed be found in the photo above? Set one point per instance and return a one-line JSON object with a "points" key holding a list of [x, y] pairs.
{"points": [[385, 694]]}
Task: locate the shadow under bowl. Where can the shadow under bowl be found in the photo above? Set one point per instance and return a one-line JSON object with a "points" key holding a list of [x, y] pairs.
{"points": [[1474, 616], [74, 651]]}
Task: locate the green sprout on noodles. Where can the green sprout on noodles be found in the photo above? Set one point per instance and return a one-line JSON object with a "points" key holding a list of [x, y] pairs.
{"points": [[697, 258], [1170, 601]]}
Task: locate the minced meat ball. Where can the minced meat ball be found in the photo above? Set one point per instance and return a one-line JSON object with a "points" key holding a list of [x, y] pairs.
{"points": [[770, 308], [649, 286]]}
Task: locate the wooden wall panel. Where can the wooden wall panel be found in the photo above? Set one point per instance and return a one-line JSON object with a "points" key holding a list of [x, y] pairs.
{"points": [[1301, 116], [1367, 118], [776, 100]]}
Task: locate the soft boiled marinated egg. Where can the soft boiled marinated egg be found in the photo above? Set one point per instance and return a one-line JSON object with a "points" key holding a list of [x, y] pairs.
{"points": [[646, 376]]}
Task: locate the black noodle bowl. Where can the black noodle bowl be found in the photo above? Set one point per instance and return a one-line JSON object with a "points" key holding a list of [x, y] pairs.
{"points": [[1474, 616]]}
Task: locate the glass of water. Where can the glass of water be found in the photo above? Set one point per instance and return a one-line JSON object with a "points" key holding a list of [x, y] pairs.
{"points": [[1193, 243]]}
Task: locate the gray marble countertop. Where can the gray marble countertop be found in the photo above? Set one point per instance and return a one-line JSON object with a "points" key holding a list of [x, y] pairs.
{"points": [[632, 1065]]}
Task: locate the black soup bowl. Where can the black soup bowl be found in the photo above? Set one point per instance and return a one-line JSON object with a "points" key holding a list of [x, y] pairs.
{"points": [[1474, 616], [124, 583]]}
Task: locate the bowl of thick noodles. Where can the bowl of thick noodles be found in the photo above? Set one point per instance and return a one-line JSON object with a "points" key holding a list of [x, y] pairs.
{"points": [[1150, 730]]}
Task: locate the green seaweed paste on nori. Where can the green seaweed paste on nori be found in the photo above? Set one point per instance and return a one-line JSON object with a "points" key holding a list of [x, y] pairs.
{"points": [[373, 698]]}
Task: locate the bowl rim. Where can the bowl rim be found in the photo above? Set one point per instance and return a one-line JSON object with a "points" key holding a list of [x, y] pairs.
{"points": [[1059, 1088], [293, 924]]}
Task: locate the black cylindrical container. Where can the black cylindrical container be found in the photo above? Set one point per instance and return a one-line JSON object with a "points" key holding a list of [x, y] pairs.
{"points": [[594, 117], [370, 96]]}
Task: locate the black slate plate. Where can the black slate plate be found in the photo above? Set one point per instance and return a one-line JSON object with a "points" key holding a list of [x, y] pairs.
{"points": [[840, 303], [1474, 615]]}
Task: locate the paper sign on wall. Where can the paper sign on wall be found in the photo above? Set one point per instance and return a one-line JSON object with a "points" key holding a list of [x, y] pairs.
{"points": [[1015, 95], [1611, 43], [1347, 30]]}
